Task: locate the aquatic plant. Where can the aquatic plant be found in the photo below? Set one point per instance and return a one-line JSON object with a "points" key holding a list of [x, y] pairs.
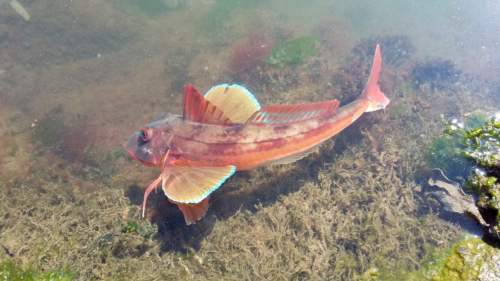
{"points": [[69, 141], [292, 52], [351, 76], [445, 152], [143, 228], [397, 49], [9, 271], [213, 22], [468, 259], [438, 74], [130, 227], [350, 79], [249, 53], [478, 147], [47, 130]]}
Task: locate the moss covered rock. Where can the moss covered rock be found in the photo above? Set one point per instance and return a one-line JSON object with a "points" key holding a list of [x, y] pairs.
{"points": [[478, 146], [468, 260], [471, 259]]}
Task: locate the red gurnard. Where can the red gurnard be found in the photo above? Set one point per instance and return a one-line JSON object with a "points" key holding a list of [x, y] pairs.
{"points": [[227, 130]]}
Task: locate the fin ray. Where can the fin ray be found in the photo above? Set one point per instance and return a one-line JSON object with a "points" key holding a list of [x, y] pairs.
{"points": [[235, 101], [283, 114], [198, 109]]}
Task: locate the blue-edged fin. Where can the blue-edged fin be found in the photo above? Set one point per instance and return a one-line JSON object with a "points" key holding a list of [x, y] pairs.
{"points": [[284, 114], [190, 185], [235, 101]]}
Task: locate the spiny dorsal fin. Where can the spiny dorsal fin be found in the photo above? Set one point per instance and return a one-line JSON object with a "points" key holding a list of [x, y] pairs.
{"points": [[282, 114], [237, 103], [190, 185], [198, 109]]}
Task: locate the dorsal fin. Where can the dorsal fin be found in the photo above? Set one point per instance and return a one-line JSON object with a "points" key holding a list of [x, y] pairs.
{"points": [[282, 114], [237, 103], [198, 109]]}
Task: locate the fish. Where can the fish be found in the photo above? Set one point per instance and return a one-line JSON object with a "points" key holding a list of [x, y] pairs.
{"points": [[227, 130]]}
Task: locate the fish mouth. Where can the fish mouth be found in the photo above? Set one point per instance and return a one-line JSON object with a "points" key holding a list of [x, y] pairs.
{"points": [[131, 146]]}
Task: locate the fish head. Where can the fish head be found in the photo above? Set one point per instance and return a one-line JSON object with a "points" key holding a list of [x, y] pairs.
{"points": [[150, 144]]}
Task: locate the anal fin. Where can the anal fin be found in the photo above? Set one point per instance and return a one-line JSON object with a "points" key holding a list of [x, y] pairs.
{"points": [[294, 157]]}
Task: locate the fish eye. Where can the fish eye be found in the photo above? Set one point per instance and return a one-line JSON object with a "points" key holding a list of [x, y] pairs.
{"points": [[143, 137]]}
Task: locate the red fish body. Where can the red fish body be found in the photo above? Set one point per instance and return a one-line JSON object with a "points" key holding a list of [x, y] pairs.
{"points": [[226, 130]]}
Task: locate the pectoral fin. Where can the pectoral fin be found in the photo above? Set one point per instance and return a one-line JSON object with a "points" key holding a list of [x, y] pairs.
{"points": [[191, 185]]}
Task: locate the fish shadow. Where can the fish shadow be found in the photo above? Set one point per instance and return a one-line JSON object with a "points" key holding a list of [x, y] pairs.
{"points": [[176, 236]]}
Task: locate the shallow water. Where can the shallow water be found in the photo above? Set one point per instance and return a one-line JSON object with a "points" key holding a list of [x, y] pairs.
{"points": [[80, 76]]}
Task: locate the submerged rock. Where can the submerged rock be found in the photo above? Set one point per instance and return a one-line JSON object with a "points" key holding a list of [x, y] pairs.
{"points": [[480, 146], [452, 197], [470, 259]]}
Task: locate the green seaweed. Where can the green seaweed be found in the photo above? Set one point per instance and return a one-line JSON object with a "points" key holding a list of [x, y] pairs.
{"points": [[463, 261], [293, 52], [9, 271], [477, 146], [143, 229], [445, 152], [130, 227]]}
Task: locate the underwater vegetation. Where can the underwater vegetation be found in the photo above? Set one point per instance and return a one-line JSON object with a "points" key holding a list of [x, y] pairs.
{"points": [[249, 54], [213, 22], [74, 142], [438, 74], [9, 271], [397, 49], [465, 146], [292, 52], [70, 142], [468, 259], [349, 77]]}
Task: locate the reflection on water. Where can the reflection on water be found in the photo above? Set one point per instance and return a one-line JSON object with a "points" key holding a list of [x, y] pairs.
{"points": [[79, 76]]}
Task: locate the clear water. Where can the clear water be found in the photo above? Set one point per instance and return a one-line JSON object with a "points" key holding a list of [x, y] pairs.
{"points": [[80, 76]]}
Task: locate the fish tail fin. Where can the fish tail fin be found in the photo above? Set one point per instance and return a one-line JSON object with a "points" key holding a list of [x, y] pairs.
{"points": [[376, 98]]}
